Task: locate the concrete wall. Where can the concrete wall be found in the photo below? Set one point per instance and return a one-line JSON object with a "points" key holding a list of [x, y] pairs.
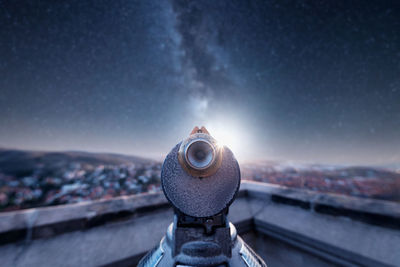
{"points": [[287, 227]]}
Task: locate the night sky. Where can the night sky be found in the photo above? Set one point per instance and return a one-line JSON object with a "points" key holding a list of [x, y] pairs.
{"points": [[312, 81]]}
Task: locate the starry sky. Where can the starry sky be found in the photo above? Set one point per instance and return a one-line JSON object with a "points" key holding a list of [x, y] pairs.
{"points": [[309, 81]]}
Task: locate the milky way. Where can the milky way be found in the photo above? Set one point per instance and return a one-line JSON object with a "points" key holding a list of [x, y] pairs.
{"points": [[311, 81]]}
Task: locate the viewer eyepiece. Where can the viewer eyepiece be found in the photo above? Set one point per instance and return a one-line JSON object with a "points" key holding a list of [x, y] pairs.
{"points": [[200, 155]]}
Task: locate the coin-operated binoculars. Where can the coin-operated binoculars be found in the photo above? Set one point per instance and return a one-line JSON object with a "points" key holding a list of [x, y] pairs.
{"points": [[200, 179]]}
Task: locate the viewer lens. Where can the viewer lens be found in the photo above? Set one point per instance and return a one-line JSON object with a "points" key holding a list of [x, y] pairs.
{"points": [[200, 154]]}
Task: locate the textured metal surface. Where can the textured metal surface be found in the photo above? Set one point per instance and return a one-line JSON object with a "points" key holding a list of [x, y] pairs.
{"points": [[250, 258], [153, 258], [200, 197]]}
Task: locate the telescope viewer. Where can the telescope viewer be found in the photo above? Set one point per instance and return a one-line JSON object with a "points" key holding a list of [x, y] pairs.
{"points": [[201, 178]]}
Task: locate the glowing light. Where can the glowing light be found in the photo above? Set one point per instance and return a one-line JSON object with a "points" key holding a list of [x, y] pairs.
{"points": [[230, 134]]}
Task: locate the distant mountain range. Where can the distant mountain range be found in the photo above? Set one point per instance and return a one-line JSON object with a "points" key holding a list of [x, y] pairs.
{"points": [[21, 162]]}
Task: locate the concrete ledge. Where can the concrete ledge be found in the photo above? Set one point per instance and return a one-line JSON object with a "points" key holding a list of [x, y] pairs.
{"points": [[336, 255], [373, 206], [49, 221], [371, 211], [119, 231]]}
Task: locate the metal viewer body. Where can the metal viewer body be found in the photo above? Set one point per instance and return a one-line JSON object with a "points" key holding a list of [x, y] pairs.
{"points": [[200, 179]]}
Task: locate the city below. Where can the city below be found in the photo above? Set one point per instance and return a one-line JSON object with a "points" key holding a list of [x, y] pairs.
{"points": [[33, 179]]}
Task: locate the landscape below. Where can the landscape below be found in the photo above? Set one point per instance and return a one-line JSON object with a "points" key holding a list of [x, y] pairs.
{"points": [[33, 179]]}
